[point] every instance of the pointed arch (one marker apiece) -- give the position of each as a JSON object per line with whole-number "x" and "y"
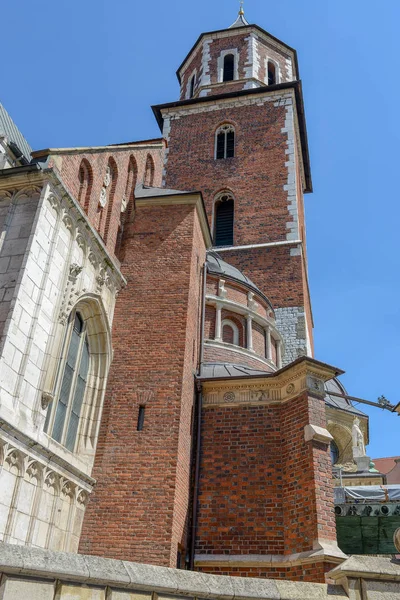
{"x": 149, "y": 171}
{"x": 128, "y": 203}
{"x": 131, "y": 180}
{"x": 73, "y": 417}
{"x": 85, "y": 177}
{"x": 108, "y": 209}
{"x": 224, "y": 141}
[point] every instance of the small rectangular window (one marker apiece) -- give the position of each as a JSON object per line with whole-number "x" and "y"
{"x": 140, "y": 423}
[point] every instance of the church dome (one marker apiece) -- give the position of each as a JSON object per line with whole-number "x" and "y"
{"x": 220, "y": 268}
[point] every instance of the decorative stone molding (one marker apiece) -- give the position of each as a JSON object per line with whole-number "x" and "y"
{"x": 275, "y": 388}
{"x": 317, "y": 434}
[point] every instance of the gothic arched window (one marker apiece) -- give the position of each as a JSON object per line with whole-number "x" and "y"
{"x": 229, "y": 68}
{"x": 225, "y": 142}
{"x": 149, "y": 172}
{"x": 224, "y": 219}
{"x": 63, "y": 415}
{"x": 272, "y": 73}
{"x": 334, "y": 453}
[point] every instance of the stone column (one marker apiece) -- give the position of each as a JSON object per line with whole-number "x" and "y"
{"x": 268, "y": 345}
{"x": 218, "y": 329}
{"x": 279, "y": 354}
{"x": 249, "y": 333}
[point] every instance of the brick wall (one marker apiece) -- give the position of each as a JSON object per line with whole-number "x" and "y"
{"x": 263, "y": 488}
{"x": 107, "y": 220}
{"x": 139, "y": 507}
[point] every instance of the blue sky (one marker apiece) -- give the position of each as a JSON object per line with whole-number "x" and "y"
{"x": 86, "y": 73}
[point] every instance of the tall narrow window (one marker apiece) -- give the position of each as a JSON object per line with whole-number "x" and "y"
{"x": 272, "y": 75}
{"x": 225, "y": 142}
{"x": 140, "y": 423}
{"x": 192, "y": 84}
{"x": 229, "y": 68}
{"x": 224, "y": 219}
{"x": 63, "y": 416}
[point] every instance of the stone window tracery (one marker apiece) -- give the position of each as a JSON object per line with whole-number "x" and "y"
{"x": 63, "y": 417}
{"x": 225, "y": 142}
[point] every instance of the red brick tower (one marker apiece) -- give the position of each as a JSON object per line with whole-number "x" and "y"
{"x": 240, "y": 126}
{"x": 240, "y": 481}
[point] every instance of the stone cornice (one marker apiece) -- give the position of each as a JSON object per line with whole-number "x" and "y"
{"x": 303, "y": 376}
{"x": 194, "y": 199}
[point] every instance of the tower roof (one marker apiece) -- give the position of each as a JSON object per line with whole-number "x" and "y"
{"x": 240, "y": 21}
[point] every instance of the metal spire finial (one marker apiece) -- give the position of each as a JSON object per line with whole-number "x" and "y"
{"x": 241, "y": 11}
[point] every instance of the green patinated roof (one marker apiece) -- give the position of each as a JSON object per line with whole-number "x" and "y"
{"x": 9, "y": 129}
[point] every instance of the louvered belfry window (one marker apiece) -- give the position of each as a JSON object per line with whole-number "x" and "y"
{"x": 63, "y": 416}
{"x": 224, "y": 219}
{"x": 225, "y": 142}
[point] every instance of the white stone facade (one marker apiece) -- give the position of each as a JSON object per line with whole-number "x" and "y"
{"x": 51, "y": 263}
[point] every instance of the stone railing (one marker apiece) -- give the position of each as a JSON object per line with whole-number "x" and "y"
{"x": 33, "y": 574}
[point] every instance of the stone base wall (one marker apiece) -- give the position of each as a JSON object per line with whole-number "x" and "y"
{"x": 34, "y": 574}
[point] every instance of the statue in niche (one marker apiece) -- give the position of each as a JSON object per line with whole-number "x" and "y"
{"x": 358, "y": 440}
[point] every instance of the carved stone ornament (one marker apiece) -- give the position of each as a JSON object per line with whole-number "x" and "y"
{"x": 107, "y": 178}
{"x": 124, "y": 204}
{"x": 229, "y": 397}
{"x": 290, "y": 388}
{"x": 74, "y": 271}
{"x": 396, "y": 539}
{"x": 103, "y": 197}
{"x": 47, "y": 398}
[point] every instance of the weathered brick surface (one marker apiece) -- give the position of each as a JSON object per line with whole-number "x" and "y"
{"x": 139, "y": 508}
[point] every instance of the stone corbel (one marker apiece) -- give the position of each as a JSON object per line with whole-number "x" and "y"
{"x": 317, "y": 434}
{"x": 221, "y": 288}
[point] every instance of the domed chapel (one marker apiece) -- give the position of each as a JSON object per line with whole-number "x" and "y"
{"x": 160, "y": 398}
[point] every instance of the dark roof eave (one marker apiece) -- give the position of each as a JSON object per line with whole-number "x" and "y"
{"x": 31, "y": 168}
{"x": 285, "y": 368}
{"x": 263, "y": 31}
{"x": 296, "y": 85}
